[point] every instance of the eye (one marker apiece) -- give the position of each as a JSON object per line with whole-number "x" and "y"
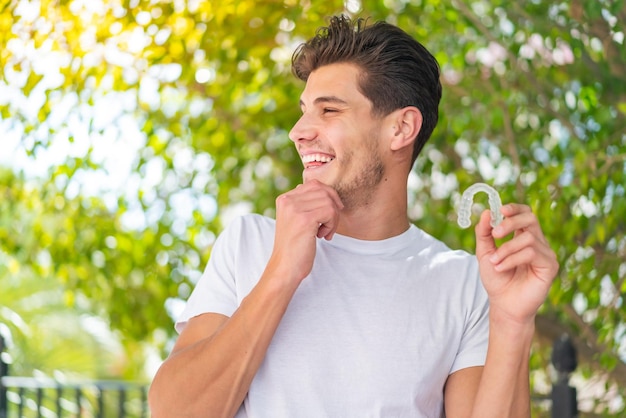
{"x": 329, "y": 110}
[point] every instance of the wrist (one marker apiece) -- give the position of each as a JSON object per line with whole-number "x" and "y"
{"x": 513, "y": 327}
{"x": 282, "y": 275}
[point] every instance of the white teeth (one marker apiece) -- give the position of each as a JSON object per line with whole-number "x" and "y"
{"x": 320, "y": 158}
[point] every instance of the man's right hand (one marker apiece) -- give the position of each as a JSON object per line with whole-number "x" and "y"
{"x": 310, "y": 210}
{"x": 215, "y": 357}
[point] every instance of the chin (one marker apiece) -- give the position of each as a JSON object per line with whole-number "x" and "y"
{"x": 308, "y": 176}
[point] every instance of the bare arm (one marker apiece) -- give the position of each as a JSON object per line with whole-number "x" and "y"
{"x": 501, "y": 387}
{"x": 517, "y": 277}
{"x": 504, "y": 388}
{"x": 215, "y": 357}
{"x": 460, "y": 391}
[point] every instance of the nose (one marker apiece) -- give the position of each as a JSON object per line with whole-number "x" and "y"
{"x": 303, "y": 130}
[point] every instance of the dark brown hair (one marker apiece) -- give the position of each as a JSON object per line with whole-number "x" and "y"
{"x": 396, "y": 70}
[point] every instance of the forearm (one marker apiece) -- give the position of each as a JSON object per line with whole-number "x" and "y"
{"x": 217, "y": 371}
{"x": 504, "y": 386}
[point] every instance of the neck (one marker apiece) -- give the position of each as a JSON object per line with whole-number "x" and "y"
{"x": 381, "y": 218}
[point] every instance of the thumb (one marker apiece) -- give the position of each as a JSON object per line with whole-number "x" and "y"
{"x": 485, "y": 243}
{"x": 325, "y": 231}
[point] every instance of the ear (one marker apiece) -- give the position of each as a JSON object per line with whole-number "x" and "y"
{"x": 406, "y": 124}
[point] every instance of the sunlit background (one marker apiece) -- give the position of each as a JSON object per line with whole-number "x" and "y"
{"x": 131, "y": 132}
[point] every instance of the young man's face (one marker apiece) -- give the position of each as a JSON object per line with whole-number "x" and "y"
{"x": 337, "y": 137}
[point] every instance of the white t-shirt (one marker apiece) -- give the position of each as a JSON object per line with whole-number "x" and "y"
{"x": 374, "y": 331}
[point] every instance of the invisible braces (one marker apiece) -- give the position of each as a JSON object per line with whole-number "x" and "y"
{"x": 468, "y": 198}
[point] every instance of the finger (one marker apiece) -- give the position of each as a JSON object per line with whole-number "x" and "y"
{"x": 313, "y": 186}
{"x": 329, "y": 226}
{"x": 485, "y": 243}
{"x": 520, "y": 241}
{"x": 523, "y": 249}
{"x": 308, "y": 210}
{"x": 511, "y": 209}
{"x": 518, "y": 218}
{"x": 543, "y": 265}
{"x": 323, "y": 206}
{"x": 310, "y": 199}
{"x": 327, "y": 230}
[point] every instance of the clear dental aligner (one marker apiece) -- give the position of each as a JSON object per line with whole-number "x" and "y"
{"x": 468, "y": 198}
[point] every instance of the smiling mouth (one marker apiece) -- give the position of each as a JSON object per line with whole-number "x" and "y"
{"x": 315, "y": 160}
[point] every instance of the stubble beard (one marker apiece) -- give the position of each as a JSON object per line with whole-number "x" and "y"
{"x": 358, "y": 191}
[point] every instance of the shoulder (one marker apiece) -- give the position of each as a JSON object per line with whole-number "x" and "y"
{"x": 245, "y": 234}
{"x": 438, "y": 251}
{"x": 455, "y": 270}
{"x": 249, "y": 225}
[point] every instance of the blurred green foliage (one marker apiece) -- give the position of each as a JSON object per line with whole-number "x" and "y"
{"x": 200, "y": 96}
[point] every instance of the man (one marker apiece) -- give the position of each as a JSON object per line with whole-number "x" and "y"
{"x": 340, "y": 307}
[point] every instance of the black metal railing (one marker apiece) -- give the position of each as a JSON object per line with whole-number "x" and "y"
{"x": 37, "y": 397}
{"x": 26, "y": 397}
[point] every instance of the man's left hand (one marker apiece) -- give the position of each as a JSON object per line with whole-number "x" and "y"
{"x": 518, "y": 274}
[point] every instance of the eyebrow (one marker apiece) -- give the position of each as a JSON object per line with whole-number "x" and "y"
{"x": 326, "y": 99}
